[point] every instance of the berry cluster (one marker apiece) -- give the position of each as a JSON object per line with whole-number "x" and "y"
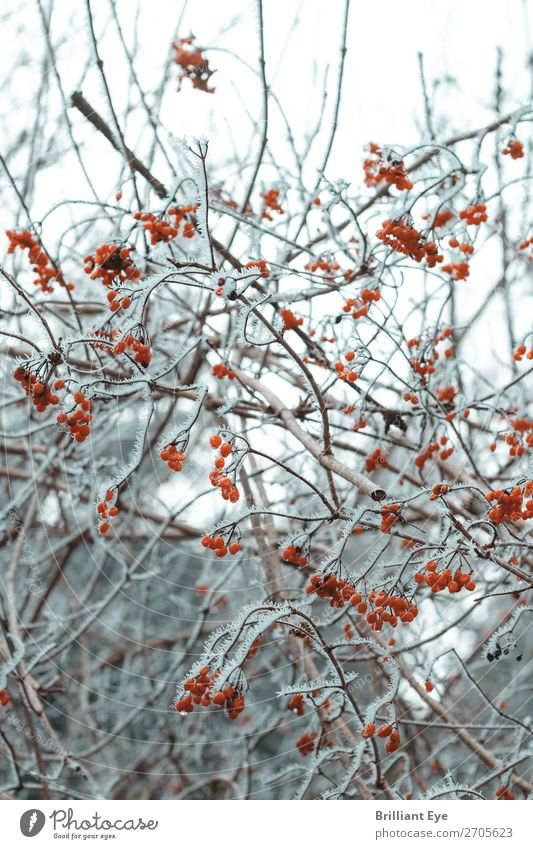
{"x": 220, "y": 546}
{"x": 199, "y": 691}
{"x": 475, "y": 214}
{"x": 180, "y": 213}
{"x": 271, "y": 202}
{"x": 194, "y": 66}
{"x": 217, "y": 477}
{"x": 106, "y": 509}
{"x": 42, "y": 265}
{"x": 292, "y": 554}
{"x": 221, "y": 371}
{"x": 389, "y": 515}
{"x": 523, "y": 433}
{"x": 338, "y": 591}
{"x": 437, "y": 490}
{"x": 454, "y": 582}
{"x": 464, "y": 247}
{"x": 384, "y": 732}
{"x": 403, "y": 238}
{"x": 457, "y": 270}
{"x": 159, "y": 229}
{"x": 306, "y": 743}
{"x": 261, "y": 265}
{"x": 78, "y": 422}
{"x": 296, "y": 704}
{"x": 441, "y": 218}
{"x": 428, "y": 452}
{"x": 345, "y": 372}
{"x": 39, "y": 391}
{"x": 522, "y": 352}
{"x": 391, "y": 170}
{"x": 139, "y": 348}
{"x": 359, "y": 306}
{"x": 328, "y": 267}
{"x": 514, "y": 148}
{"x": 375, "y": 460}
{"x": 400, "y": 609}
{"x": 509, "y": 506}
{"x": 503, "y": 793}
{"x": 173, "y": 458}
{"x": 112, "y": 265}
{"x": 290, "y": 321}
{"x": 4, "y": 698}
{"x": 117, "y": 301}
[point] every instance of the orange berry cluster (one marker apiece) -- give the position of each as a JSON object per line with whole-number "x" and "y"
{"x": 423, "y": 368}
{"x": 290, "y": 321}
{"x": 270, "y": 202}
{"x": 441, "y": 218}
{"x": 427, "y": 454}
{"x": 402, "y": 237}
{"x": 140, "y": 349}
{"x": 437, "y": 490}
{"x": 411, "y": 397}
{"x": 458, "y": 270}
{"x": 221, "y": 371}
{"x": 339, "y": 592}
{"x": 194, "y": 66}
{"x": 345, "y": 372}
{"x": 296, "y": 704}
{"x": 40, "y": 393}
{"x": 509, "y": 505}
{"x": 106, "y": 511}
{"x": 261, "y": 265}
{"x": 217, "y": 477}
{"x": 199, "y": 691}
{"x": 4, "y": 698}
{"x": 173, "y": 458}
{"x": 400, "y": 610}
{"x": 43, "y": 266}
{"x": 78, "y": 422}
{"x": 523, "y": 432}
{"x": 475, "y": 214}
{"x": 294, "y": 555}
{"x": 306, "y": 743}
{"x": 391, "y": 170}
{"x": 439, "y": 581}
{"x": 464, "y": 247}
{"x": 389, "y": 515}
{"x": 180, "y": 213}
{"x": 514, "y": 148}
{"x": 112, "y": 264}
{"x": 383, "y": 732}
{"x": 159, "y": 229}
{"x": 446, "y": 395}
{"x": 522, "y": 352}
{"x": 117, "y": 302}
{"x": 376, "y": 459}
{"x": 329, "y": 268}
{"x": 359, "y": 306}
{"x": 503, "y": 793}
{"x": 220, "y": 546}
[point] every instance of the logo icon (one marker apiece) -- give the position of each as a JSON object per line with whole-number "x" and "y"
{"x": 32, "y": 822}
